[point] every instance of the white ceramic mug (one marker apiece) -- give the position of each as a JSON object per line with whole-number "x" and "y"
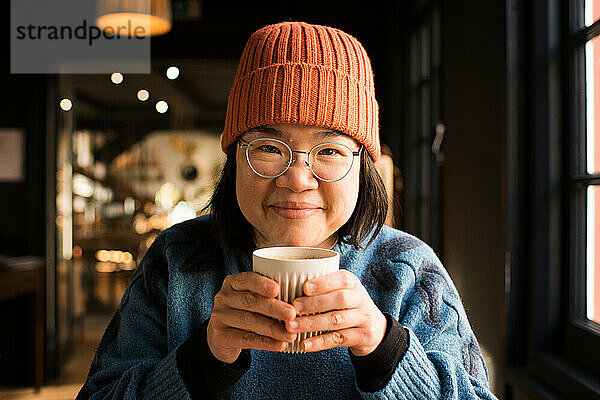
{"x": 291, "y": 267}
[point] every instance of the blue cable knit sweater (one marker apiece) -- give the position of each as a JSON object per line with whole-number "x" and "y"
{"x": 171, "y": 295}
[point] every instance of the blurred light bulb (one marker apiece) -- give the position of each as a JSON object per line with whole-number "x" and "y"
{"x": 102, "y": 255}
{"x": 66, "y": 104}
{"x": 162, "y": 107}
{"x": 172, "y": 73}
{"x": 77, "y": 252}
{"x": 127, "y": 257}
{"x": 143, "y": 95}
{"x": 116, "y": 78}
{"x": 113, "y": 255}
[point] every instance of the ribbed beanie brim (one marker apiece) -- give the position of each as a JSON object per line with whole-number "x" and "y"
{"x": 298, "y": 73}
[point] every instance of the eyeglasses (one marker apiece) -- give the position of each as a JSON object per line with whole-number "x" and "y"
{"x": 270, "y": 158}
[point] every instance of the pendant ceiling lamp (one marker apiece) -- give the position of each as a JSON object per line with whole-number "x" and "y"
{"x": 128, "y": 17}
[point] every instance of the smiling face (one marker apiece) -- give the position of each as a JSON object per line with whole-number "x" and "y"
{"x": 296, "y": 208}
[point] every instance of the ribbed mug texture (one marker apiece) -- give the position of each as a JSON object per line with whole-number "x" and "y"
{"x": 291, "y": 273}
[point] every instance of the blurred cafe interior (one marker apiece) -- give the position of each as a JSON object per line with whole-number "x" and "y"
{"x": 492, "y": 157}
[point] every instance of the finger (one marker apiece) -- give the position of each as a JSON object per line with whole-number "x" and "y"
{"x": 253, "y": 282}
{"x": 257, "y": 323}
{"x": 342, "y": 338}
{"x": 336, "y": 300}
{"x": 330, "y": 321}
{"x": 241, "y": 339}
{"x": 341, "y": 279}
{"x": 269, "y": 307}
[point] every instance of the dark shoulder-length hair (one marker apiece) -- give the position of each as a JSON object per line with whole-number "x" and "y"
{"x": 236, "y": 234}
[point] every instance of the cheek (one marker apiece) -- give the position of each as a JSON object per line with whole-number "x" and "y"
{"x": 250, "y": 192}
{"x": 242, "y": 188}
{"x": 351, "y": 192}
{"x": 343, "y": 199}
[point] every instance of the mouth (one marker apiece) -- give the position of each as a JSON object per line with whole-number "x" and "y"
{"x": 295, "y": 210}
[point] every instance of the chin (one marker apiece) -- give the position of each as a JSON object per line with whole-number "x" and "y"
{"x": 298, "y": 243}
{"x": 295, "y": 241}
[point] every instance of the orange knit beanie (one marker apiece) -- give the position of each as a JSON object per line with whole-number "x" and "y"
{"x": 298, "y": 73}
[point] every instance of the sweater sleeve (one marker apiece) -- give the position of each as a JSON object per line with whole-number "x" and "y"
{"x": 133, "y": 360}
{"x": 374, "y": 370}
{"x": 443, "y": 359}
{"x": 206, "y": 377}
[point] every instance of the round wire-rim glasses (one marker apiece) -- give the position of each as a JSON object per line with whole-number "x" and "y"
{"x": 291, "y": 158}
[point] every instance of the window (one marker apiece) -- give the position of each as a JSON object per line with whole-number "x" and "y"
{"x": 583, "y": 57}
{"x": 553, "y": 197}
{"x": 592, "y": 167}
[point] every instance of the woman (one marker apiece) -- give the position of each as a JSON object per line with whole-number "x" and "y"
{"x": 301, "y": 136}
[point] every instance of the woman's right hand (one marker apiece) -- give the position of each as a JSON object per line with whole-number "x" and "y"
{"x": 242, "y": 317}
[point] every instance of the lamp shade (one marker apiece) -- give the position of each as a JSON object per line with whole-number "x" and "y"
{"x": 134, "y": 17}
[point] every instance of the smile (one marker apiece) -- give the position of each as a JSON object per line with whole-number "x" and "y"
{"x": 295, "y": 211}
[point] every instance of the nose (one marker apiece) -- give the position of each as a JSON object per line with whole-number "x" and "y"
{"x": 298, "y": 176}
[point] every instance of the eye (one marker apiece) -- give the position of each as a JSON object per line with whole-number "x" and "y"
{"x": 329, "y": 151}
{"x": 267, "y": 148}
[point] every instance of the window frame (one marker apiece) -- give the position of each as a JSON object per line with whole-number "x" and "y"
{"x": 548, "y": 347}
{"x": 582, "y": 335}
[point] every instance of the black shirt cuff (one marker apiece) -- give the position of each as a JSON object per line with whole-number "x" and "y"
{"x": 375, "y": 370}
{"x": 205, "y": 376}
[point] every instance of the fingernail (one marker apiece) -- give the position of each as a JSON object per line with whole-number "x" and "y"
{"x": 293, "y": 324}
{"x": 271, "y": 288}
{"x": 299, "y": 306}
{"x": 310, "y": 287}
{"x": 291, "y": 314}
{"x": 307, "y": 345}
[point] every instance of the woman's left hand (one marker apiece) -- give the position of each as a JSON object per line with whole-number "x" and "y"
{"x": 345, "y": 308}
